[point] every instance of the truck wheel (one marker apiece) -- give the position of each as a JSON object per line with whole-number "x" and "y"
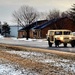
{"x": 65, "y": 44}
{"x": 72, "y": 43}
{"x": 50, "y": 44}
{"x": 56, "y": 43}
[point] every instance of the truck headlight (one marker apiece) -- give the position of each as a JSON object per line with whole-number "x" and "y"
{"x": 70, "y": 38}
{"x": 61, "y": 38}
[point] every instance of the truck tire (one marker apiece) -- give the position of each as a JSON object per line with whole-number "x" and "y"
{"x": 65, "y": 44}
{"x": 73, "y": 43}
{"x": 56, "y": 43}
{"x": 49, "y": 43}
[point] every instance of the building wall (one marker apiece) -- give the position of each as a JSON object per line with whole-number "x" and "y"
{"x": 35, "y": 34}
{"x": 31, "y": 34}
{"x": 44, "y": 32}
{"x": 21, "y": 34}
{"x": 65, "y": 24}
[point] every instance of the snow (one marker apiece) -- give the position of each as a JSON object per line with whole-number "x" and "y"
{"x": 1, "y": 37}
{"x": 11, "y": 69}
{"x": 24, "y": 39}
{"x": 67, "y": 65}
{"x": 26, "y": 54}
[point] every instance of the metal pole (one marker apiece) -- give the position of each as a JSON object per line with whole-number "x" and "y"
{"x": 17, "y": 28}
{"x": 1, "y": 27}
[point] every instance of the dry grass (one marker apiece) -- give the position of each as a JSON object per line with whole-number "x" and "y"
{"x": 66, "y": 55}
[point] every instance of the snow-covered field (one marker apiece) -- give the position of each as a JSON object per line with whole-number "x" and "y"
{"x": 10, "y": 69}
{"x": 7, "y": 68}
{"x": 52, "y": 59}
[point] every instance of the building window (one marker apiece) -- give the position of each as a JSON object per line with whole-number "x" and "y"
{"x": 34, "y": 33}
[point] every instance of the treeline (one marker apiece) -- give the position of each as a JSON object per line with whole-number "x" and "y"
{"x": 27, "y": 15}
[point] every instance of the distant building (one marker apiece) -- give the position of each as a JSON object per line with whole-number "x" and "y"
{"x": 14, "y": 30}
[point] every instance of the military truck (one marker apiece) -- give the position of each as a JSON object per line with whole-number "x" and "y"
{"x": 60, "y": 36}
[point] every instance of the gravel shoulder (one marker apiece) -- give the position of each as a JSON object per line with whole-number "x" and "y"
{"x": 41, "y": 61}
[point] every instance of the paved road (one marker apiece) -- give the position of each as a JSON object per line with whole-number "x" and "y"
{"x": 38, "y": 44}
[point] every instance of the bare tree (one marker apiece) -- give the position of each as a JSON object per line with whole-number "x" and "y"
{"x": 53, "y": 14}
{"x": 25, "y": 16}
{"x": 43, "y": 15}
{"x": 65, "y": 14}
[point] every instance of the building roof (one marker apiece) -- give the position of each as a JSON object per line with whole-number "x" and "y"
{"x": 44, "y": 25}
{"x": 37, "y": 23}
{"x": 41, "y": 24}
{"x": 50, "y": 22}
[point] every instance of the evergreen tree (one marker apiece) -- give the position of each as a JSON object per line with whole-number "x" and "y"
{"x": 72, "y": 13}
{"x": 5, "y": 29}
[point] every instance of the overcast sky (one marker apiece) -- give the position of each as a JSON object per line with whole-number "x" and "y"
{"x": 7, "y": 7}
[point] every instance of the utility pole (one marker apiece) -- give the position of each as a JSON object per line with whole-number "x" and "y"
{"x": 1, "y": 27}
{"x": 17, "y": 28}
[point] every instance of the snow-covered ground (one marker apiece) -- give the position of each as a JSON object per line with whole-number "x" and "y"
{"x": 1, "y": 37}
{"x": 24, "y": 39}
{"x": 11, "y": 69}
{"x": 66, "y": 64}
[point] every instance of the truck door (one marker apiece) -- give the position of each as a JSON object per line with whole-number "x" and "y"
{"x": 52, "y": 36}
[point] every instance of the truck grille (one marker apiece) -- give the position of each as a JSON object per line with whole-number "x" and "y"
{"x": 66, "y": 39}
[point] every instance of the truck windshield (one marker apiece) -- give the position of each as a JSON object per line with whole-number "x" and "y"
{"x": 66, "y": 33}
{"x": 73, "y": 33}
{"x": 58, "y": 33}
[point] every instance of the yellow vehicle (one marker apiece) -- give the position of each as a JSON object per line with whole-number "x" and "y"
{"x": 59, "y": 36}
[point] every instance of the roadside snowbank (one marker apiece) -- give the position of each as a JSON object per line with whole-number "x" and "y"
{"x": 1, "y": 37}
{"x": 24, "y": 39}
